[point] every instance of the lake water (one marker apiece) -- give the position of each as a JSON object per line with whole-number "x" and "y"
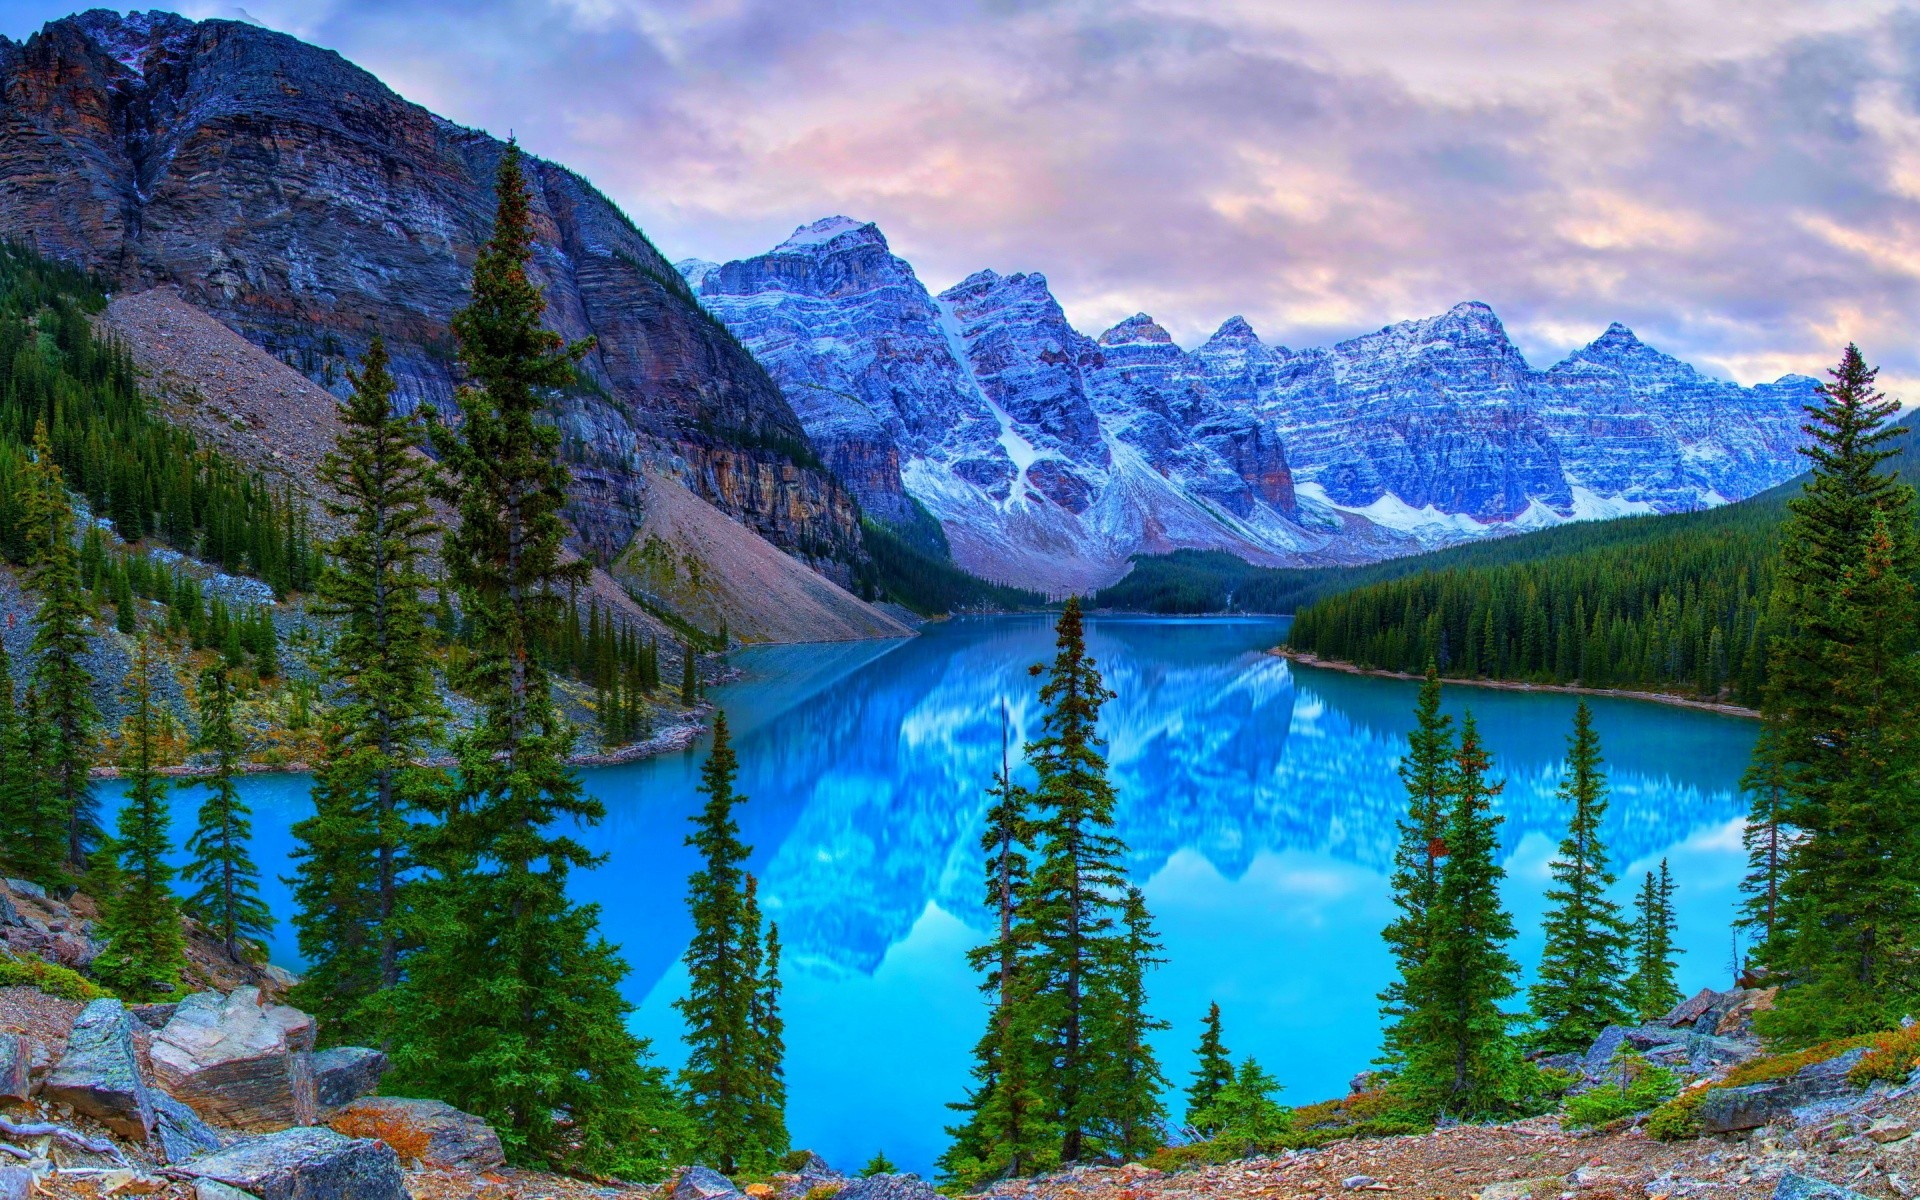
{"x": 1257, "y": 799}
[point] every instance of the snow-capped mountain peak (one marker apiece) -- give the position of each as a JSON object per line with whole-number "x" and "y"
{"x": 1048, "y": 457}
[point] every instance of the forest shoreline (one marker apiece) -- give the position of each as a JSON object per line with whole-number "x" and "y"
{"x": 1512, "y": 685}
{"x": 667, "y": 741}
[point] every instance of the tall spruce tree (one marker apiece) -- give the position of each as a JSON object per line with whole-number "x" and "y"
{"x": 1007, "y": 1130}
{"x": 1651, "y": 988}
{"x": 61, "y": 628}
{"x": 355, "y": 853}
{"x": 1841, "y": 703}
{"x": 1582, "y": 983}
{"x": 510, "y": 1008}
{"x": 1132, "y": 1118}
{"x": 766, "y": 1059}
{"x": 1460, "y": 1054}
{"x": 1075, "y": 893}
{"x": 1213, "y": 1071}
{"x": 145, "y": 946}
{"x": 1427, "y": 772}
{"x": 729, "y": 1091}
{"x": 228, "y": 901}
{"x": 1766, "y": 838}
{"x": 40, "y": 846}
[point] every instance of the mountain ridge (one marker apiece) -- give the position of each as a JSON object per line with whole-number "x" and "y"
{"x": 1068, "y": 454}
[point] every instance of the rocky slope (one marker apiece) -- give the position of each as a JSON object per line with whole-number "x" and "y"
{"x": 304, "y": 204}
{"x": 1049, "y": 457}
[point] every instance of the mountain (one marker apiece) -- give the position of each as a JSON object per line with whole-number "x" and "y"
{"x": 1050, "y": 458}
{"x": 303, "y": 204}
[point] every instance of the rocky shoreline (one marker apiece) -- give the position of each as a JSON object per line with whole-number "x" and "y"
{"x": 1510, "y": 685}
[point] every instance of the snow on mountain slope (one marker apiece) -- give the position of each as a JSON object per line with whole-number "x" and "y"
{"x": 1048, "y": 458}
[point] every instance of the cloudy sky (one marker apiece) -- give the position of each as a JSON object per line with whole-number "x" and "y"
{"x": 1739, "y": 180}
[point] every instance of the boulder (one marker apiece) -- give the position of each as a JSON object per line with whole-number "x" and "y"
{"x": 1689, "y": 1010}
{"x": 1728, "y": 1110}
{"x": 154, "y": 1016}
{"x": 888, "y": 1187}
{"x": 423, "y": 1132}
{"x": 16, "y": 1067}
{"x": 31, "y": 891}
{"x": 99, "y": 1075}
{"x": 238, "y": 1060}
{"x": 179, "y": 1132}
{"x": 16, "y": 1183}
{"x": 304, "y": 1164}
{"x": 702, "y": 1183}
{"x": 1795, "y": 1186}
{"x": 346, "y": 1073}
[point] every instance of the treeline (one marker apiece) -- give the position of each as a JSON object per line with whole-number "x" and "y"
{"x": 929, "y": 584}
{"x": 147, "y": 477}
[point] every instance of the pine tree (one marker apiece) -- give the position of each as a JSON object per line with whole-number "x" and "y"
{"x": 1581, "y": 988}
{"x": 1427, "y": 771}
{"x": 879, "y": 1164}
{"x": 1460, "y": 1055}
{"x": 228, "y": 901}
{"x": 1213, "y": 1072}
{"x": 141, "y": 919}
{"x": 1244, "y": 1111}
{"x": 1131, "y": 1119}
{"x": 728, "y": 1097}
{"x": 511, "y": 1009}
{"x": 19, "y": 810}
{"x": 1841, "y": 703}
{"x": 766, "y": 1061}
{"x": 1651, "y": 988}
{"x": 354, "y": 853}
{"x": 689, "y": 680}
{"x": 1767, "y": 841}
{"x": 60, "y": 643}
{"x": 39, "y": 844}
{"x": 1007, "y": 1131}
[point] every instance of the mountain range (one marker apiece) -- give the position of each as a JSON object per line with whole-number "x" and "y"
{"x": 1047, "y": 457}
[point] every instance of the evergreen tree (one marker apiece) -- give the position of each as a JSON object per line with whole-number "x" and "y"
{"x": 19, "y": 800}
{"x": 767, "y": 1060}
{"x": 1213, "y": 1072}
{"x": 1132, "y": 1118}
{"x": 1008, "y": 1131}
{"x": 36, "y": 849}
{"x": 1842, "y": 705}
{"x": 1651, "y": 987}
{"x": 60, "y": 642}
{"x": 511, "y": 1007}
{"x": 879, "y": 1164}
{"x": 1767, "y": 840}
{"x": 689, "y": 680}
{"x": 1581, "y": 988}
{"x": 1460, "y": 1055}
{"x": 730, "y": 1093}
{"x": 355, "y": 852}
{"x": 1244, "y": 1110}
{"x": 1427, "y": 771}
{"x": 228, "y": 902}
{"x": 145, "y": 946}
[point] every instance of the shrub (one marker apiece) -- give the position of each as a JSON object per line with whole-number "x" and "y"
{"x": 1893, "y": 1058}
{"x": 51, "y": 978}
{"x": 1675, "y": 1119}
{"x": 1640, "y": 1086}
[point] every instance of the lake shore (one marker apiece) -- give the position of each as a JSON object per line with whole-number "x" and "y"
{"x": 1511, "y": 685}
{"x": 666, "y": 741}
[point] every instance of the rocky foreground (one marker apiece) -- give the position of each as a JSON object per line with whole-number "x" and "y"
{"x": 222, "y": 1096}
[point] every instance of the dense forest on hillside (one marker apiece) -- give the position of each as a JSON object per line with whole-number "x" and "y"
{"x": 927, "y": 583}
{"x": 1670, "y": 603}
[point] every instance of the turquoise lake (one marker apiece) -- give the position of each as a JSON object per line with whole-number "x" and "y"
{"x": 1258, "y": 800}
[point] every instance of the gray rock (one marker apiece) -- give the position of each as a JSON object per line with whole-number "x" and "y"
{"x": 1354, "y": 1183}
{"x": 1727, "y": 1110}
{"x": 180, "y": 1133}
{"x": 212, "y": 1189}
{"x": 888, "y": 1187}
{"x": 9, "y": 915}
{"x": 1601, "y": 1052}
{"x": 239, "y": 1060}
{"x": 16, "y": 1183}
{"x": 702, "y": 1183}
{"x": 16, "y": 1067}
{"x": 432, "y": 1133}
{"x": 305, "y": 1164}
{"x": 346, "y": 1073}
{"x": 31, "y": 891}
{"x": 1795, "y": 1186}
{"x": 154, "y": 1016}
{"x": 99, "y": 1075}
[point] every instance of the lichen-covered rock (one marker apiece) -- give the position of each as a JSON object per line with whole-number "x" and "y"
{"x": 887, "y": 1187}
{"x": 238, "y": 1060}
{"x": 343, "y": 1074}
{"x": 702, "y": 1183}
{"x": 426, "y": 1133}
{"x": 99, "y": 1075}
{"x": 305, "y": 1164}
{"x": 16, "y": 1183}
{"x": 179, "y": 1132}
{"x": 1728, "y": 1110}
{"x": 1796, "y": 1186}
{"x": 16, "y": 1067}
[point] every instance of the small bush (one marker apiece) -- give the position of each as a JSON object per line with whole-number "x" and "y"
{"x": 51, "y": 978}
{"x": 1675, "y": 1120}
{"x": 1892, "y": 1059}
{"x": 1641, "y": 1086}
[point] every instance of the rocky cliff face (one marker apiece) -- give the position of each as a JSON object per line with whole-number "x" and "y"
{"x": 1049, "y": 457}
{"x": 304, "y": 204}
